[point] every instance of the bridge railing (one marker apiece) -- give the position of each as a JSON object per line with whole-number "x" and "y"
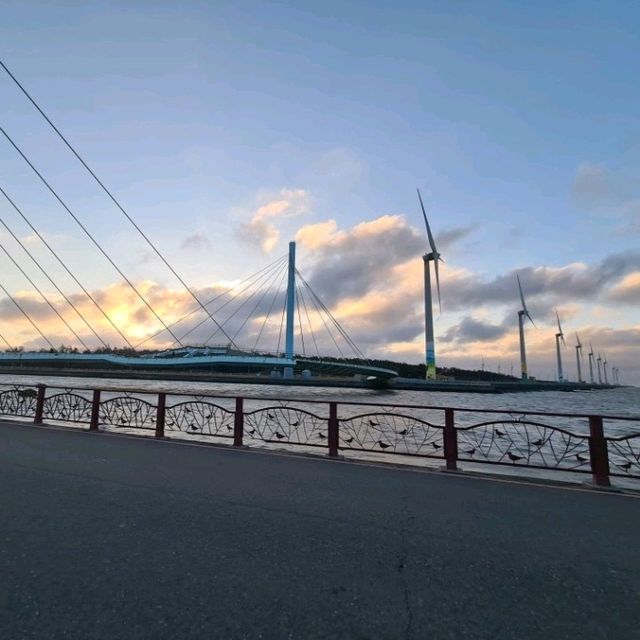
{"x": 459, "y": 437}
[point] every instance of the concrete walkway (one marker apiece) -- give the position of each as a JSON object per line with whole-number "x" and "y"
{"x": 112, "y": 537}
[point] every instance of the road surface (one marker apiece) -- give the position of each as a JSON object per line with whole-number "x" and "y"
{"x": 113, "y": 537}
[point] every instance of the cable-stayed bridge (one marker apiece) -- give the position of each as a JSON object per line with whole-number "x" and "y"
{"x": 272, "y": 320}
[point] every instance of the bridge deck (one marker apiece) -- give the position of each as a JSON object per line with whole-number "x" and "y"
{"x": 112, "y": 537}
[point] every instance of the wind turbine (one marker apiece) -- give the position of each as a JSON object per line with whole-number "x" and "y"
{"x": 433, "y": 255}
{"x": 591, "y": 379}
{"x": 604, "y": 367}
{"x": 579, "y": 357}
{"x": 521, "y": 315}
{"x": 559, "y": 336}
{"x": 599, "y": 362}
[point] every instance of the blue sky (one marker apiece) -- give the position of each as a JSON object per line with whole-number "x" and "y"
{"x": 197, "y": 113}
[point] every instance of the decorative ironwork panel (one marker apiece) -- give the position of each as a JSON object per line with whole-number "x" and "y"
{"x": 624, "y": 456}
{"x": 200, "y": 418}
{"x": 128, "y": 411}
{"x": 18, "y": 402}
{"x": 392, "y": 433}
{"x": 284, "y": 424}
{"x": 524, "y": 443}
{"x": 67, "y": 406}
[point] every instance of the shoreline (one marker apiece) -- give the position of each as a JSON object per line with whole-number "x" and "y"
{"x": 400, "y": 384}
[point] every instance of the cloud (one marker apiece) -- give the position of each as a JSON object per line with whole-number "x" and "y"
{"x": 470, "y": 329}
{"x": 450, "y": 237}
{"x": 627, "y": 291}
{"x": 195, "y": 242}
{"x": 599, "y": 189}
{"x": 370, "y": 276}
{"x": 31, "y": 303}
{"x": 384, "y": 254}
{"x": 261, "y": 229}
{"x": 543, "y": 286}
{"x": 353, "y": 262}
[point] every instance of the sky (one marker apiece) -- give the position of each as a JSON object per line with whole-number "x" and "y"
{"x": 228, "y": 129}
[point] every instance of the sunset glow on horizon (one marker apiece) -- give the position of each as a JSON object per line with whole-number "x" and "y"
{"x": 229, "y": 132}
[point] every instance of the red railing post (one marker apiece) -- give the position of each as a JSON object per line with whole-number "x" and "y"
{"x": 95, "y": 411}
{"x": 598, "y": 452}
{"x": 450, "y": 437}
{"x": 37, "y": 419}
{"x": 238, "y": 423}
{"x": 332, "y": 435}
{"x": 160, "y": 413}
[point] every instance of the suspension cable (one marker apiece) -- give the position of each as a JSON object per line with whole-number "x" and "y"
{"x": 313, "y": 335}
{"x": 242, "y": 304}
{"x": 88, "y": 234}
{"x": 284, "y": 308}
{"x": 273, "y": 301}
{"x": 324, "y": 322}
{"x": 232, "y": 299}
{"x": 338, "y": 326}
{"x": 69, "y": 272}
{"x": 259, "y": 302}
{"x": 6, "y": 342}
{"x": 35, "y": 286}
{"x": 113, "y": 199}
{"x": 26, "y": 315}
{"x": 304, "y": 351}
{"x": 211, "y": 300}
{"x": 35, "y": 261}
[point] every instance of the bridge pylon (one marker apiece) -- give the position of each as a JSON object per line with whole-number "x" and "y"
{"x": 291, "y": 307}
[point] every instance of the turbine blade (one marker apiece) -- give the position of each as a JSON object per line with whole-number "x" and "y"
{"x": 578, "y": 339}
{"x": 435, "y": 262}
{"x": 432, "y": 244}
{"x": 558, "y": 319}
{"x": 524, "y": 304}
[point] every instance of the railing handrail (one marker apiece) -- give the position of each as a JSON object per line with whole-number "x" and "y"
{"x": 329, "y": 400}
{"x": 71, "y": 405}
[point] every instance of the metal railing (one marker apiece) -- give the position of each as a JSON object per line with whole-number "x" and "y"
{"x": 551, "y": 441}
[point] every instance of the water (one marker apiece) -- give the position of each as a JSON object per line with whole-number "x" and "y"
{"x": 623, "y": 401}
{"x": 295, "y": 418}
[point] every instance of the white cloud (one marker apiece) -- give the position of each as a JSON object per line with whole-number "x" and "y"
{"x": 261, "y": 229}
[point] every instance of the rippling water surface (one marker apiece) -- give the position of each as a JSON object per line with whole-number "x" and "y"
{"x": 623, "y": 401}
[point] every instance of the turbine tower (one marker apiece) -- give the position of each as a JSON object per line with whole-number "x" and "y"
{"x": 559, "y": 336}
{"x": 591, "y": 378}
{"x": 431, "y": 256}
{"x": 599, "y": 362}
{"x": 604, "y": 368}
{"x": 579, "y": 357}
{"x": 521, "y": 315}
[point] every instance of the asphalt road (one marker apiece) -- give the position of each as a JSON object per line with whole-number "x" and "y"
{"x": 104, "y": 536}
